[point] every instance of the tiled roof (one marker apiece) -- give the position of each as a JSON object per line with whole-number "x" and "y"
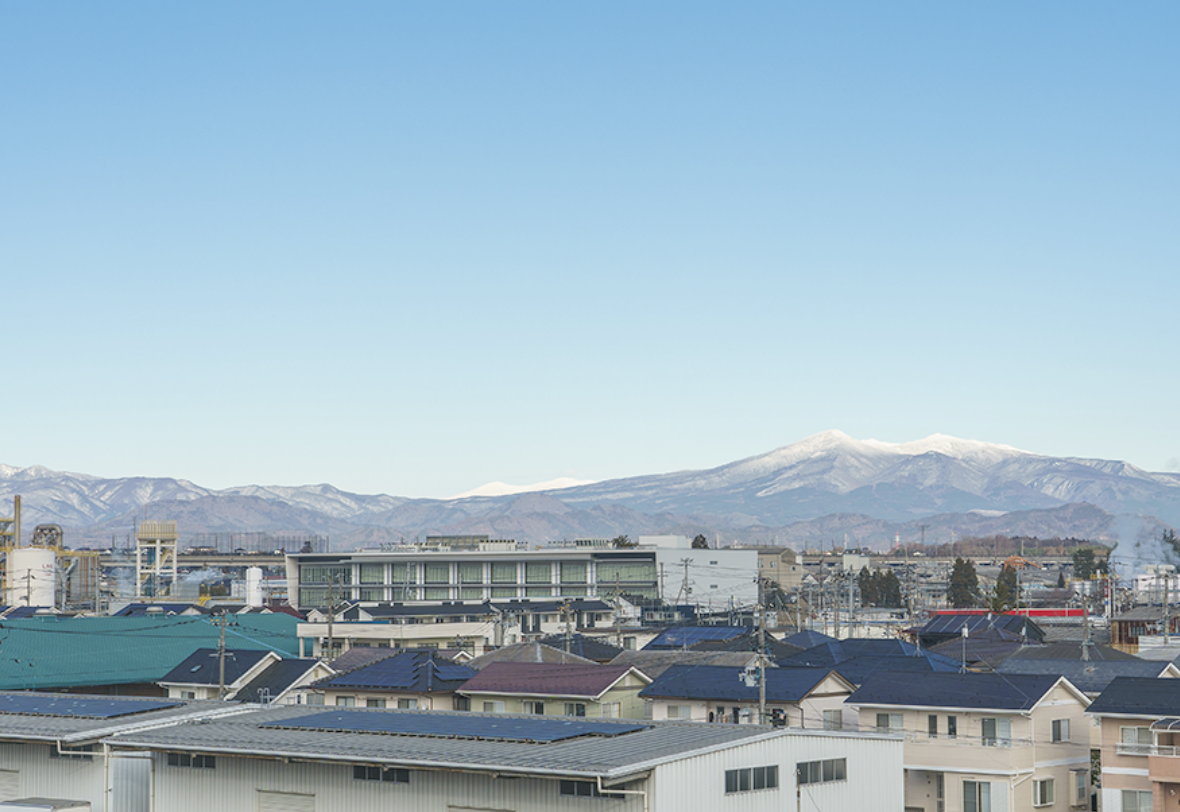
{"x": 357, "y": 656}
{"x": 203, "y": 666}
{"x": 951, "y": 624}
{"x": 592, "y": 648}
{"x": 970, "y": 691}
{"x": 416, "y": 670}
{"x": 774, "y": 649}
{"x": 1092, "y": 677}
{"x": 67, "y": 729}
{"x": 274, "y": 680}
{"x": 808, "y": 638}
{"x": 687, "y": 636}
{"x": 654, "y": 663}
{"x": 717, "y": 682}
{"x": 545, "y": 679}
{"x": 1139, "y": 696}
{"x": 839, "y": 651}
{"x": 1071, "y": 650}
{"x": 535, "y": 652}
{"x": 142, "y": 609}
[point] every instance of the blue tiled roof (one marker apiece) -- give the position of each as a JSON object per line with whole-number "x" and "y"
{"x": 418, "y": 671}
{"x": 1139, "y": 696}
{"x": 971, "y": 691}
{"x": 1091, "y": 677}
{"x": 203, "y": 666}
{"x": 688, "y": 636}
{"x": 719, "y": 682}
{"x": 834, "y": 652}
{"x": 275, "y": 678}
{"x": 808, "y": 638}
{"x": 949, "y": 625}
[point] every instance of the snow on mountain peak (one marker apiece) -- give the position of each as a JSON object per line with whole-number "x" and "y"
{"x": 504, "y": 489}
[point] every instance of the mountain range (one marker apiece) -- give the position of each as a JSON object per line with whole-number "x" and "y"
{"x": 824, "y": 489}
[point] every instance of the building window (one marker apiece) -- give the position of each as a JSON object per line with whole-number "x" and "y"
{"x": 470, "y": 572}
{"x": 833, "y": 720}
{"x": 977, "y": 796}
{"x": 493, "y": 707}
{"x": 196, "y": 762}
{"x": 996, "y": 732}
{"x": 1043, "y": 792}
{"x": 531, "y": 706}
{"x": 611, "y": 710}
{"x": 1135, "y": 741}
{"x": 372, "y": 573}
{"x": 503, "y": 572}
{"x": 536, "y": 572}
{"x": 575, "y": 708}
{"x": 437, "y": 573}
{"x": 345, "y": 701}
{"x": 407, "y": 704}
{"x": 374, "y": 703}
{"x": 819, "y": 772}
{"x": 932, "y": 725}
{"x": 1136, "y": 800}
{"x": 939, "y": 792}
{"x": 573, "y": 572}
{"x": 365, "y": 772}
{"x": 1081, "y": 787}
{"x": 81, "y": 753}
{"x": 461, "y": 703}
{"x": 585, "y": 789}
{"x": 188, "y": 694}
{"x": 321, "y": 574}
{"x": 437, "y": 593}
{"x": 1060, "y": 730}
{"x": 406, "y": 573}
{"x": 678, "y": 712}
{"x": 952, "y": 727}
{"x": 751, "y": 778}
{"x": 889, "y": 722}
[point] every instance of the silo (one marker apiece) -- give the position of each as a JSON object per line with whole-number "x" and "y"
{"x": 32, "y": 577}
{"x": 254, "y": 586}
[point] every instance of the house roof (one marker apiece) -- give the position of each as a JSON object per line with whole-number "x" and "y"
{"x": 654, "y": 663}
{"x": 585, "y": 756}
{"x": 808, "y": 638}
{"x": 67, "y": 729}
{"x": 1139, "y": 696}
{"x": 534, "y": 652}
{"x": 1071, "y": 650}
{"x": 1014, "y": 692}
{"x": 203, "y": 666}
{"x": 545, "y": 679}
{"x": 719, "y": 682}
{"x": 1140, "y": 613}
{"x": 774, "y": 649}
{"x": 275, "y": 680}
{"x": 986, "y": 647}
{"x": 142, "y": 609}
{"x": 1091, "y": 677}
{"x": 592, "y": 648}
{"x": 357, "y": 656}
{"x": 42, "y": 653}
{"x": 354, "y": 612}
{"x": 838, "y": 651}
{"x": 682, "y": 637}
{"x": 950, "y": 624}
{"x": 417, "y": 670}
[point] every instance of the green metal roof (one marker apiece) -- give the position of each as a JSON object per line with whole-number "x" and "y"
{"x": 50, "y": 652}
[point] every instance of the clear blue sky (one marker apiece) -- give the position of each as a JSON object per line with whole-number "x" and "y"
{"x": 413, "y": 248}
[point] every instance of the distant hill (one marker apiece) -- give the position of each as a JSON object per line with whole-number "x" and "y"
{"x": 813, "y": 492}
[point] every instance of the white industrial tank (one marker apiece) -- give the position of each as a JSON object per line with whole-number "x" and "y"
{"x": 254, "y": 586}
{"x": 32, "y": 577}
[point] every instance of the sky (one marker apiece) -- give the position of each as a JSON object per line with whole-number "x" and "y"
{"x": 412, "y": 248}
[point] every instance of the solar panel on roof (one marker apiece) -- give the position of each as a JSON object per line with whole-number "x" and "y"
{"x": 86, "y": 708}
{"x": 455, "y": 672}
{"x": 459, "y": 727}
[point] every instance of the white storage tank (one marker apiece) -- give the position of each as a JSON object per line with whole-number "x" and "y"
{"x": 254, "y": 586}
{"x": 32, "y": 577}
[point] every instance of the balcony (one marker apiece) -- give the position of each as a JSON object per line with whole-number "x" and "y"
{"x": 943, "y": 740}
{"x": 1164, "y": 750}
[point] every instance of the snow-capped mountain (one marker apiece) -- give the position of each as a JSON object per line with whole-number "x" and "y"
{"x": 872, "y": 489}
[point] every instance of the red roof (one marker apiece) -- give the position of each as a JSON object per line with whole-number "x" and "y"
{"x": 545, "y": 679}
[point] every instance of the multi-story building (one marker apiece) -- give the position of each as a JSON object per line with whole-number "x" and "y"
{"x": 1140, "y": 743}
{"x": 984, "y": 742}
{"x": 713, "y": 579}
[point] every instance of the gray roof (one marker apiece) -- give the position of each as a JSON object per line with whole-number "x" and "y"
{"x": 1089, "y": 677}
{"x": 535, "y": 652}
{"x": 654, "y": 663}
{"x": 79, "y": 729}
{"x": 587, "y": 756}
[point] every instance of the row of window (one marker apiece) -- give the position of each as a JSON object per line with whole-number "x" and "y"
{"x": 196, "y": 762}
{"x": 472, "y": 572}
{"x": 819, "y": 772}
{"x": 993, "y": 731}
{"x": 977, "y": 795}
{"x": 364, "y": 772}
{"x": 748, "y": 779}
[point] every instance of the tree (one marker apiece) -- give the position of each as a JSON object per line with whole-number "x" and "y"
{"x": 1007, "y": 592}
{"x": 1061, "y": 580}
{"x": 868, "y": 587}
{"x": 1169, "y": 538}
{"x": 700, "y": 542}
{"x": 888, "y": 589}
{"x": 1083, "y": 563}
{"x": 623, "y": 541}
{"x": 963, "y": 591}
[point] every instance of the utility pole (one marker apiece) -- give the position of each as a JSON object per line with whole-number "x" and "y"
{"x": 761, "y": 656}
{"x": 565, "y": 611}
{"x": 327, "y": 654}
{"x": 221, "y": 658}
{"x": 618, "y": 607}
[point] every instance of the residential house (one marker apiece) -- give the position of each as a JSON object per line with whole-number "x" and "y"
{"x": 406, "y": 679}
{"x": 654, "y": 663}
{"x": 857, "y": 659}
{"x": 1142, "y": 621}
{"x": 949, "y": 625}
{"x": 1140, "y": 744}
{"x": 299, "y": 760}
{"x": 984, "y": 742}
{"x": 283, "y": 682}
{"x": 534, "y": 652}
{"x": 597, "y": 691}
{"x": 208, "y": 673}
{"x": 795, "y": 697}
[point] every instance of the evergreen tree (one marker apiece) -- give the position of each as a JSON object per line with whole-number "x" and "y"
{"x": 700, "y": 542}
{"x": 888, "y": 589}
{"x": 1007, "y": 592}
{"x": 623, "y": 541}
{"x": 963, "y": 592}
{"x": 1083, "y": 563}
{"x": 1061, "y": 580}
{"x": 868, "y": 587}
